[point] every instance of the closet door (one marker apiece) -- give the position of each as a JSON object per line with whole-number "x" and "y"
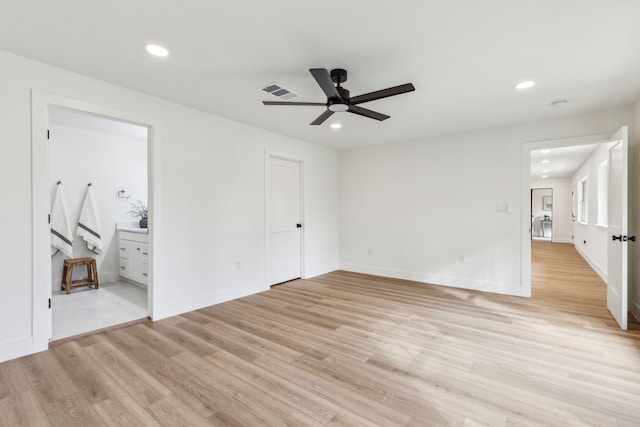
{"x": 284, "y": 226}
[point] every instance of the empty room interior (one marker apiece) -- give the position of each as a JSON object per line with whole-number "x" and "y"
{"x": 362, "y": 213}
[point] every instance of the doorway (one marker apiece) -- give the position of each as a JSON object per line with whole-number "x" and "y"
{"x": 117, "y": 185}
{"x": 538, "y": 169}
{"x": 599, "y": 212}
{"x": 542, "y": 214}
{"x": 42, "y": 294}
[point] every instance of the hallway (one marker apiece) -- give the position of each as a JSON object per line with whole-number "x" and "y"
{"x": 562, "y": 280}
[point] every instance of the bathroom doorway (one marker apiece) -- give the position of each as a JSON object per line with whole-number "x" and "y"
{"x": 542, "y": 214}
{"x": 107, "y": 158}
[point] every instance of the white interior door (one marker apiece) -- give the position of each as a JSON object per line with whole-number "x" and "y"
{"x": 617, "y": 249}
{"x": 284, "y": 221}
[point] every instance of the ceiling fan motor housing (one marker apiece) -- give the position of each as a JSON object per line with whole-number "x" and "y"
{"x": 338, "y": 76}
{"x": 337, "y": 104}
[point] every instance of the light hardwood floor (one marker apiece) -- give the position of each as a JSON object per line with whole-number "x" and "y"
{"x": 350, "y": 349}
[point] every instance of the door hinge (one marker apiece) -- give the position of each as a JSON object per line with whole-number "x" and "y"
{"x": 49, "y": 219}
{"x": 48, "y": 134}
{"x": 49, "y": 302}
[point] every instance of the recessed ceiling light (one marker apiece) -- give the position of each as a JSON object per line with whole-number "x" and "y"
{"x": 336, "y": 125}
{"x": 156, "y": 50}
{"x": 546, "y": 161}
{"x": 545, "y": 176}
{"x": 525, "y": 84}
{"x": 545, "y": 171}
{"x": 545, "y": 151}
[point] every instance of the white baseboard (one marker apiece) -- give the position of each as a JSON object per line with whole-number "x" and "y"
{"x": 14, "y": 349}
{"x": 206, "y": 300}
{"x": 563, "y": 240}
{"x": 451, "y": 282}
{"x": 109, "y": 276}
{"x": 592, "y": 264}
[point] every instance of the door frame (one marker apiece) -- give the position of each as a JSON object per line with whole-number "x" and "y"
{"x": 267, "y": 212}
{"x": 41, "y": 200}
{"x": 525, "y": 192}
{"x": 531, "y": 211}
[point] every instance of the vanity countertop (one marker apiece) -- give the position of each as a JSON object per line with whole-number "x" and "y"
{"x": 131, "y": 228}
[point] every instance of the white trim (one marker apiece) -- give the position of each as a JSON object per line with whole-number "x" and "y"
{"x": 41, "y": 255}
{"x": 563, "y": 240}
{"x": 602, "y": 273}
{"x": 17, "y": 348}
{"x": 525, "y": 186}
{"x": 201, "y": 301}
{"x": 267, "y": 214}
{"x": 439, "y": 280}
{"x": 583, "y": 196}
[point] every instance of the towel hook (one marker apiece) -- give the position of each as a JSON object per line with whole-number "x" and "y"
{"x": 121, "y": 194}
{"x": 89, "y": 185}
{"x": 59, "y": 182}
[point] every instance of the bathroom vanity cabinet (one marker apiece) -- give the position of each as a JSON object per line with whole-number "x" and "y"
{"x": 134, "y": 256}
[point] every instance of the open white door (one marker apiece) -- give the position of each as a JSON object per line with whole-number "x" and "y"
{"x": 617, "y": 249}
{"x": 284, "y": 221}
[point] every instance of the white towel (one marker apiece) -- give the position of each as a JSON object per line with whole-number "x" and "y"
{"x": 61, "y": 235}
{"x": 88, "y": 224}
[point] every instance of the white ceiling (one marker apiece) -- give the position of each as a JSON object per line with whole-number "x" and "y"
{"x": 463, "y": 56}
{"x": 559, "y": 162}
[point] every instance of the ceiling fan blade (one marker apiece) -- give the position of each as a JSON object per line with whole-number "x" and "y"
{"x": 367, "y": 113}
{"x": 294, "y": 103}
{"x": 323, "y": 78}
{"x": 322, "y": 117}
{"x": 384, "y": 93}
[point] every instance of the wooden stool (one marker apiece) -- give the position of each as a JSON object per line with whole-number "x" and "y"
{"x": 67, "y": 274}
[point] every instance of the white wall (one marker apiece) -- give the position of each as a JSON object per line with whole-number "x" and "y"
{"x": 562, "y": 221}
{"x": 418, "y": 207}
{"x": 210, "y": 181}
{"x": 111, "y": 162}
{"x": 590, "y": 239}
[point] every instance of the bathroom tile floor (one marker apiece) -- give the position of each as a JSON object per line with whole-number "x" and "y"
{"x": 87, "y": 309}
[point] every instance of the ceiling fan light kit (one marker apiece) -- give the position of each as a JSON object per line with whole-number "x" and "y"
{"x": 339, "y": 99}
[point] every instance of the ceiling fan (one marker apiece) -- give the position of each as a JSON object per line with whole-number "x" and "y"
{"x": 338, "y": 98}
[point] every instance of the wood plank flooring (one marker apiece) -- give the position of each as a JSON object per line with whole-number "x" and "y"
{"x": 347, "y": 349}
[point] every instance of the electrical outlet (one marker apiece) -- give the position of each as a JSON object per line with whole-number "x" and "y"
{"x": 369, "y": 251}
{"x": 461, "y": 259}
{"x": 238, "y": 265}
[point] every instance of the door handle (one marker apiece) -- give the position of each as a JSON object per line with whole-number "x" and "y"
{"x": 614, "y": 238}
{"x": 632, "y": 238}
{"x": 298, "y": 225}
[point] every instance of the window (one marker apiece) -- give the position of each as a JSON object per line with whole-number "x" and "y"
{"x": 582, "y": 201}
{"x": 603, "y": 184}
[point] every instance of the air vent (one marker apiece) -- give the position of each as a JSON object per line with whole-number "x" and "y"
{"x": 279, "y": 92}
